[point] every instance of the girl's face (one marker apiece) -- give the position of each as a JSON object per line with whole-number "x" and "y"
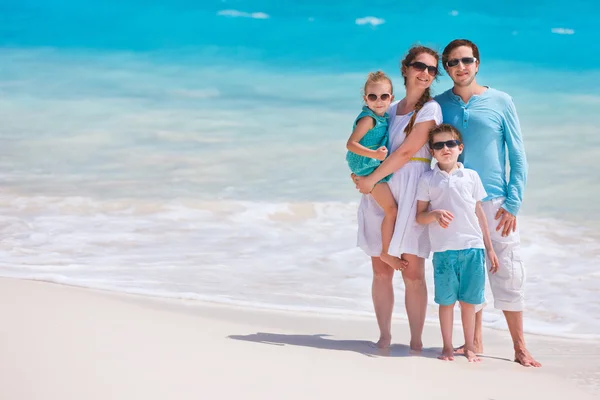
{"x": 378, "y": 96}
{"x": 418, "y": 77}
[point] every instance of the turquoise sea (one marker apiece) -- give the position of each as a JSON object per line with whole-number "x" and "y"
{"x": 196, "y": 149}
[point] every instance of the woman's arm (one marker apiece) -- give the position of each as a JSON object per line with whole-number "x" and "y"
{"x": 417, "y": 139}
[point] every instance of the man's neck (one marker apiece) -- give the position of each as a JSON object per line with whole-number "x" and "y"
{"x": 448, "y": 168}
{"x": 466, "y": 92}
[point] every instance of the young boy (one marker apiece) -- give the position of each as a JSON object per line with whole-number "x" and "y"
{"x": 451, "y": 195}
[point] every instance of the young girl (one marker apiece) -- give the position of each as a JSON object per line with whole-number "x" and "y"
{"x": 367, "y": 148}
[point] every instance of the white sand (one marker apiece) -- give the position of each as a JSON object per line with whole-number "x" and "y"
{"x": 59, "y": 342}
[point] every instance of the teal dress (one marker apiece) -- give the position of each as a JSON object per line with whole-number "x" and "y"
{"x": 373, "y": 139}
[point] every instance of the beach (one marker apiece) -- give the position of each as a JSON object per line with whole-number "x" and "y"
{"x": 63, "y": 342}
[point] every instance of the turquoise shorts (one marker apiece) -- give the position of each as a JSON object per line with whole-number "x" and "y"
{"x": 459, "y": 275}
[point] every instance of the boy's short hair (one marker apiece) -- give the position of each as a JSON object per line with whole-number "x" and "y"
{"x": 442, "y": 128}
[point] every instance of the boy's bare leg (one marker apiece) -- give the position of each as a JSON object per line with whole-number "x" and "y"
{"x": 446, "y": 322}
{"x": 467, "y": 314}
{"x": 478, "y": 339}
{"x": 383, "y": 196}
{"x": 382, "y": 292}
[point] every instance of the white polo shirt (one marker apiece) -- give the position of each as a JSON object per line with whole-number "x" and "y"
{"x": 457, "y": 192}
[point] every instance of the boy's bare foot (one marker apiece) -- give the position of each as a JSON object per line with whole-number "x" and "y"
{"x": 416, "y": 347}
{"x": 447, "y": 354}
{"x": 471, "y": 356}
{"x": 478, "y": 347}
{"x": 397, "y": 263}
{"x": 523, "y": 357}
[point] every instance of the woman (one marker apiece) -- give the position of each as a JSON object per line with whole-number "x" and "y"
{"x": 410, "y": 121}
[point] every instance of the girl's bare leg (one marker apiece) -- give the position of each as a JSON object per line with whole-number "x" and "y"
{"x": 415, "y": 298}
{"x": 382, "y": 291}
{"x": 446, "y": 323}
{"x": 383, "y": 196}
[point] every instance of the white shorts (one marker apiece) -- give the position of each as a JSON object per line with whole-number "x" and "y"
{"x": 508, "y": 283}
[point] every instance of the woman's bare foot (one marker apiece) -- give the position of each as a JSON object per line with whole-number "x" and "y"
{"x": 471, "y": 356}
{"x": 384, "y": 342}
{"x": 416, "y": 347}
{"x": 525, "y": 359}
{"x": 447, "y": 354}
{"x": 478, "y": 347}
{"x": 397, "y": 263}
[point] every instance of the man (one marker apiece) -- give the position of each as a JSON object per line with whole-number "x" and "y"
{"x": 488, "y": 121}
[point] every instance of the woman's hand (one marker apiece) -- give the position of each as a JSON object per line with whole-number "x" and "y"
{"x": 363, "y": 183}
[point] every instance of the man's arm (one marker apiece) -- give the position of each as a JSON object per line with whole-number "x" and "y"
{"x": 516, "y": 159}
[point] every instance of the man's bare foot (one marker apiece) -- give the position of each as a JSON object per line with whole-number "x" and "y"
{"x": 416, "y": 347}
{"x": 447, "y": 354}
{"x": 525, "y": 359}
{"x": 397, "y": 263}
{"x": 471, "y": 356}
{"x": 384, "y": 342}
{"x": 478, "y": 347}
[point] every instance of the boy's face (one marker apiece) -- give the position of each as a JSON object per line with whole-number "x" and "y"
{"x": 448, "y": 154}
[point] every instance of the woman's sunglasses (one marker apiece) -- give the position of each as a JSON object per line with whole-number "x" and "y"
{"x": 465, "y": 60}
{"x": 449, "y": 144}
{"x": 383, "y": 97}
{"x": 419, "y": 66}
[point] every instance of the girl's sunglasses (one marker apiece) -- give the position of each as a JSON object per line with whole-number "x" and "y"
{"x": 465, "y": 60}
{"x": 419, "y": 66}
{"x": 449, "y": 144}
{"x": 383, "y": 97}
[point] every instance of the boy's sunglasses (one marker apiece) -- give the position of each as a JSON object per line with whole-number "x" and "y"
{"x": 383, "y": 97}
{"x": 419, "y": 66}
{"x": 465, "y": 60}
{"x": 449, "y": 144}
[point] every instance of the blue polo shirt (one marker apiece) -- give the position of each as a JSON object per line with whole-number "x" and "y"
{"x": 489, "y": 126}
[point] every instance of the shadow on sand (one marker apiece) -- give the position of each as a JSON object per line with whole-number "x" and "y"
{"x": 320, "y": 341}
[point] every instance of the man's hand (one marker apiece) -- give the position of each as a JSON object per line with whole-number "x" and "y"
{"x": 443, "y": 217}
{"x": 508, "y": 222}
{"x": 493, "y": 261}
{"x": 381, "y": 153}
{"x": 363, "y": 183}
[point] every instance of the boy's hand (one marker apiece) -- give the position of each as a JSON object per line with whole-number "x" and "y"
{"x": 493, "y": 261}
{"x": 443, "y": 217}
{"x": 381, "y": 153}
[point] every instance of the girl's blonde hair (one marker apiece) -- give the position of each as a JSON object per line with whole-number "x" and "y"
{"x": 376, "y": 77}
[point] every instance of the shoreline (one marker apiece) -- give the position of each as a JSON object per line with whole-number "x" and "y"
{"x": 398, "y": 316}
{"x": 67, "y": 342}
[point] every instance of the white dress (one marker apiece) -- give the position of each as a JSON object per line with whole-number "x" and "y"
{"x": 409, "y": 237}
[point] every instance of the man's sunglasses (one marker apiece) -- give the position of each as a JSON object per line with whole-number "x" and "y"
{"x": 419, "y": 66}
{"x": 465, "y": 60}
{"x": 449, "y": 144}
{"x": 383, "y": 97}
